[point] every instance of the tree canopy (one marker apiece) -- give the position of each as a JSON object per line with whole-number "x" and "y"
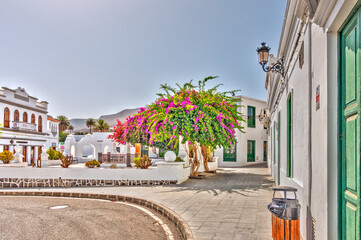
{"x": 197, "y": 114}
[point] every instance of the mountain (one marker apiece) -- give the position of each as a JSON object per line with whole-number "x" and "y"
{"x": 122, "y": 115}
{"x": 80, "y": 126}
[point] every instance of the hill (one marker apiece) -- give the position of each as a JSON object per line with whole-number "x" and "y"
{"x": 80, "y": 126}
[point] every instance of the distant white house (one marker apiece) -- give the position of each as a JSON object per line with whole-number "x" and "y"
{"x": 87, "y": 147}
{"x": 24, "y": 121}
{"x": 252, "y": 145}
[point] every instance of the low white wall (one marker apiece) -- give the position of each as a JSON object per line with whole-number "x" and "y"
{"x": 164, "y": 171}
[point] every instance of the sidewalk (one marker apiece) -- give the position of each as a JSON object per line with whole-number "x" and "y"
{"x": 228, "y": 205}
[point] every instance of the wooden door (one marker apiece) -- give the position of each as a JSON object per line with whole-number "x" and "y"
{"x": 24, "y": 153}
{"x": 230, "y": 154}
{"x": 250, "y": 150}
{"x": 350, "y": 104}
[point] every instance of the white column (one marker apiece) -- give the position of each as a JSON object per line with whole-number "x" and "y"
{"x": 1, "y": 148}
{"x": 28, "y": 154}
{"x": 11, "y": 149}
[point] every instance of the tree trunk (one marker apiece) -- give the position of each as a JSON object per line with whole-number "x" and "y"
{"x": 195, "y": 161}
{"x": 205, "y": 155}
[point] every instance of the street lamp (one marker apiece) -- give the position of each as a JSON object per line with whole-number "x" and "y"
{"x": 263, "y": 54}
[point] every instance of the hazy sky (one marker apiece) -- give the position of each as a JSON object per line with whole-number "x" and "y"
{"x": 93, "y": 57}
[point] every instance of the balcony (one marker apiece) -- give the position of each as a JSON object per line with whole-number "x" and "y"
{"x": 17, "y": 125}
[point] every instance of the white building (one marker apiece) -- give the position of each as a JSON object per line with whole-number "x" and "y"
{"x": 252, "y": 145}
{"x": 87, "y": 147}
{"x": 314, "y": 111}
{"x": 24, "y": 121}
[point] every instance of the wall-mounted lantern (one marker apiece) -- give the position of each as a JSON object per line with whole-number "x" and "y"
{"x": 263, "y": 54}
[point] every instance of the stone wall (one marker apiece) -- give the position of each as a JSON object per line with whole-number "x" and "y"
{"x": 59, "y": 182}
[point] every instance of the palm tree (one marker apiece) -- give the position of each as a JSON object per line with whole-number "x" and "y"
{"x": 101, "y": 126}
{"x": 64, "y": 123}
{"x": 70, "y": 128}
{"x": 90, "y": 123}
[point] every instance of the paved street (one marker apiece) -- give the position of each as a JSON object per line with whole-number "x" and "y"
{"x": 61, "y": 218}
{"x": 228, "y": 205}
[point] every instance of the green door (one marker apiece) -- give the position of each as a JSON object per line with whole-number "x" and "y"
{"x": 350, "y": 130}
{"x": 230, "y": 154}
{"x": 250, "y": 150}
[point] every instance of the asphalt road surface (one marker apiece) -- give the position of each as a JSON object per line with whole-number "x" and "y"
{"x": 61, "y": 218}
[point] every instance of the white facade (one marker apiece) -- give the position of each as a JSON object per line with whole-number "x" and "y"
{"x": 24, "y": 121}
{"x": 255, "y": 133}
{"x": 87, "y": 147}
{"x": 303, "y": 133}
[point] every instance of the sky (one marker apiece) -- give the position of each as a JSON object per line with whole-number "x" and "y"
{"x": 93, "y": 57}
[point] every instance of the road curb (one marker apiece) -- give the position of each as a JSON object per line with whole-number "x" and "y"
{"x": 179, "y": 222}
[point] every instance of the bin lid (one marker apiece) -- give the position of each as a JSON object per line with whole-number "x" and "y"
{"x": 288, "y": 209}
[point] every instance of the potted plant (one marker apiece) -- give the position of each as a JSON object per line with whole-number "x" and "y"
{"x": 6, "y": 156}
{"x": 143, "y": 162}
{"x": 92, "y": 163}
{"x": 66, "y": 161}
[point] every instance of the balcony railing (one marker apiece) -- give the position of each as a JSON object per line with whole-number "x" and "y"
{"x": 24, "y": 126}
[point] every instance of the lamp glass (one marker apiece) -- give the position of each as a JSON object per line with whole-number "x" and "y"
{"x": 263, "y": 57}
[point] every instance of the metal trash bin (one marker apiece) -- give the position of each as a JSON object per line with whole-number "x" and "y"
{"x": 285, "y": 215}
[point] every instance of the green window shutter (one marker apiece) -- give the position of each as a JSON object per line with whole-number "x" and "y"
{"x": 251, "y": 119}
{"x": 289, "y": 136}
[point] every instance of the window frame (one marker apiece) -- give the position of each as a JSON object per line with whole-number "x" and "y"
{"x": 16, "y": 116}
{"x": 25, "y": 117}
{"x": 251, "y": 120}
{"x": 40, "y": 124}
{"x": 6, "y": 117}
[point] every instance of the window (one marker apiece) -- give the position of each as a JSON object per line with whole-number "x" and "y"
{"x": 25, "y": 117}
{"x": 251, "y": 122}
{"x": 33, "y": 118}
{"x": 289, "y": 136}
{"x": 6, "y": 148}
{"x": 40, "y": 124}
{"x": 16, "y": 116}
{"x": 7, "y": 117}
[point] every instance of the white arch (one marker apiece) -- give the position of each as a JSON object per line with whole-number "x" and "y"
{"x": 106, "y": 148}
{"x": 72, "y": 150}
{"x": 88, "y": 151}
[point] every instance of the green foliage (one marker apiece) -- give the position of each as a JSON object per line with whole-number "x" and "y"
{"x": 197, "y": 114}
{"x": 92, "y": 163}
{"x": 64, "y": 123}
{"x": 113, "y": 166}
{"x": 62, "y": 136}
{"x": 54, "y": 155}
{"x": 101, "y": 126}
{"x": 6, "y": 156}
{"x": 143, "y": 162}
{"x": 178, "y": 159}
{"x": 90, "y": 122}
{"x": 79, "y": 133}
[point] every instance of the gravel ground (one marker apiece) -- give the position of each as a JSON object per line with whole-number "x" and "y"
{"x": 32, "y": 218}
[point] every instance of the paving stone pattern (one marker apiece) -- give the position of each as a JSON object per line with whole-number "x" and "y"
{"x": 231, "y": 204}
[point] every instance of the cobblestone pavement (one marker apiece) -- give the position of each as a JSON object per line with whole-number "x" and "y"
{"x": 231, "y": 204}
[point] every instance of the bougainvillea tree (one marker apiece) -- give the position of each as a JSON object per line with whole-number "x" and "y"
{"x": 203, "y": 118}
